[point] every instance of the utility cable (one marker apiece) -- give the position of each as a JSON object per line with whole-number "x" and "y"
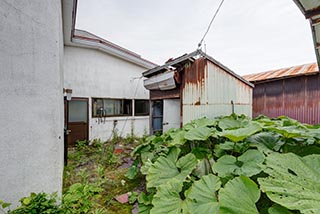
{"x": 214, "y": 16}
{"x": 134, "y": 100}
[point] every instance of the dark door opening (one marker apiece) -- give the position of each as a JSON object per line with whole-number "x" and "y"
{"x": 157, "y": 116}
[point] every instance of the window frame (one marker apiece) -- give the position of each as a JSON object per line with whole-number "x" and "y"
{"x": 142, "y": 114}
{"x": 93, "y": 99}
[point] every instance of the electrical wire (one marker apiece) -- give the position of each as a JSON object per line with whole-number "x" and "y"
{"x": 214, "y": 16}
{"x": 134, "y": 97}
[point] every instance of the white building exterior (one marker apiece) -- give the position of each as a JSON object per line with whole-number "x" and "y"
{"x": 40, "y": 55}
{"x": 92, "y": 73}
{"x": 31, "y": 83}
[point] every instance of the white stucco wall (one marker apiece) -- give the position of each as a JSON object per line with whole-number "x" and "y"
{"x": 93, "y": 73}
{"x": 31, "y": 99}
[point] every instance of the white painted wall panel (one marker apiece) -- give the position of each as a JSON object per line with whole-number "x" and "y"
{"x": 92, "y": 73}
{"x": 31, "y": 109}
{"x": 171, "y": 114}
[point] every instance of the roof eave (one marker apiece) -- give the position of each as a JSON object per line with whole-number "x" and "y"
{"x": 69, "y": 21}
{"x": 166, "y": 66}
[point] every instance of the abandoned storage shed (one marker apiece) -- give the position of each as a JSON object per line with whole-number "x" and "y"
{"x": 192, "y": 86}
{"x": 293, "y": 92}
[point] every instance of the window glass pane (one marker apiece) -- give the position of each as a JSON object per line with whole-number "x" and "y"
{"x": 141, "y": 107}
{"x": 102, "y": 107}
{"x": 108, "y": 106}
{"x": 127, "y": 107}
{"x": 77, "y": 111}
{"x": 117, "y": 107}
{"x": 97, "y": 107}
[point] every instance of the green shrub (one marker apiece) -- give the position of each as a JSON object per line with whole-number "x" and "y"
{"x": 38, "y": 203}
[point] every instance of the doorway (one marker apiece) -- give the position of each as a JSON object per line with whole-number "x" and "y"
{"x": 157, "y": 116}
{"x": 77, "y": 120}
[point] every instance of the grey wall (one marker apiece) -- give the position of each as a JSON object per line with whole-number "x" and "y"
{"x": 31, "y": 99}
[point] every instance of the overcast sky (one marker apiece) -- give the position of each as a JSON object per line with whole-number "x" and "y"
{"x": 248, "y": 36}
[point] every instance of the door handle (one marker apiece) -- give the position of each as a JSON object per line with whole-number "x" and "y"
{"x": 68, "y": 132}
{"x": 166, "y": 123}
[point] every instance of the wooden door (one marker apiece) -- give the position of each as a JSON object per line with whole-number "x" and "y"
{"x": 77, "y": 123}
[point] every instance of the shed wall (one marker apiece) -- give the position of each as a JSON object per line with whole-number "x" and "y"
{"x": 31, "y": 124}
{"x": 208, "y": 91}
{"x": 92, "y": 73}
{"x": 297, "y": 97}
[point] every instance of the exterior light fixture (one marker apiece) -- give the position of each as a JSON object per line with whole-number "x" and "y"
{"x": 67, "y": 93}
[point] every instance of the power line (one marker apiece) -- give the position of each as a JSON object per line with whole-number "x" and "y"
{"x": 214, "y": 16}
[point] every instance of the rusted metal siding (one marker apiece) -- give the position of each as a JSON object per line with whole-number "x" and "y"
{"x": 297, "y": 97}
{"x": 208, "y": 90}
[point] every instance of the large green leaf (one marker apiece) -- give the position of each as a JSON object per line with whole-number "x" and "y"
{"x": 144, "y": 209}
{"x": 204, "y": 167}
{"x": 202, "y": 197}
{"x": 177, "y": 138}
{"x": 202, "y": 122}
{"x": 167, "y": 199}
{"x": 200, "y": 133}
{"x": 276, "y": 209}
{"x": 231, "y": 122}
{"x": 239, "y": 134}
{"x": 289, "y": 131}
{"x": 270, "y": 140}
{"x": 247, "y": 164}
{"x": 294, "y": 182}
{"x": 166, "y": 168}
{"x": 239, "y": 196}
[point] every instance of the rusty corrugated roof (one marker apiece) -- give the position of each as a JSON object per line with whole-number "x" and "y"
{"x": 300, "y": 70}
{"x": 181, "y": 60}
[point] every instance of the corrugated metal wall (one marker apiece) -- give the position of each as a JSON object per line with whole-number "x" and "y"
{"x": 297, "y": 97}
{"x": 210, "y": 93}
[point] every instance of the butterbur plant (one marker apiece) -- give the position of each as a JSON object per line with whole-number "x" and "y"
{"x": 231, "y": 165}
{"x": 80, "y": 198}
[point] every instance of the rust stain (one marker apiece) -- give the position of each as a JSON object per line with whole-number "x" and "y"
{"x": 198, "y": 102}
{"x": 300, "y": 70}
{"x": 195, "y": 73}
{"x": 177, "y": 77}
